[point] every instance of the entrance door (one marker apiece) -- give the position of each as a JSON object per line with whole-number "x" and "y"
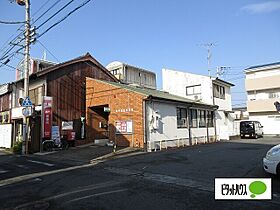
{"x": 98, "y": 127}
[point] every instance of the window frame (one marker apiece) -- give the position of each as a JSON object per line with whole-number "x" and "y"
{"x": 179, "y": 117}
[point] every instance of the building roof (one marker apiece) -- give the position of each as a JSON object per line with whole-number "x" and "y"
{"x": 223, "y": 81}
{"x": 157, "y": 94}
{"x": 118, "y": 63}
{"x": 257, "y": 67}
{"x": 201, "y": 75}
{"x": 85, "y": 58}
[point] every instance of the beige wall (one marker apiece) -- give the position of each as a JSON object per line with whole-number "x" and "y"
{"x": 262, "y": 105}
{"x": 263, "y": 83}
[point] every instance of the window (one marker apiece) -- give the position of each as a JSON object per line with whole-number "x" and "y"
{"x": 210, "y": 118}
{"x": 202, "y": 118}
{"x": 36, "y": 94}
{"x": 116, "y": 71}
{"x": 219, "y": 91}
{"x": 193, "y": 90}
{"x": 273, "y": 95}
{"x": 193, "y": 118}
{"x": 182, "y": 118}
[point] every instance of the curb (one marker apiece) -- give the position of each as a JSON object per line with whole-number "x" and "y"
{"x": 118, "y": 154}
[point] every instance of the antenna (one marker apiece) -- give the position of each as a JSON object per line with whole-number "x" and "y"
{"x": 44, "y": 55}
{"x": 209, "y": 46}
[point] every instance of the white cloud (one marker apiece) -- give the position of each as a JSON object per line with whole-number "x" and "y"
{"x": 266, "y": 7}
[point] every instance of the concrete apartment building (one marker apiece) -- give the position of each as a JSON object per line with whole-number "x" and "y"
{"x": 263, "y": 90}
{"x": 205, "y": 89}
{"x": 132, "y": 75}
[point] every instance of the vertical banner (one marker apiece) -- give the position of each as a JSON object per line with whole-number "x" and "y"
{"x": 47, "y": 117}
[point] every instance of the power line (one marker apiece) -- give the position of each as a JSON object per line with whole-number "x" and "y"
{"x": 236, "y": 78}
{"x": 22, "y": 33}
{"x": 11, "y": 22}
{"x": 42, "y": 7}
{"x": 65, "y": 17}
{"x": 66, "y": 5}
{"x": 48, "y": 51}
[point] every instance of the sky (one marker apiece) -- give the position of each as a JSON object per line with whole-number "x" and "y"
{"x": 155, "y": 34}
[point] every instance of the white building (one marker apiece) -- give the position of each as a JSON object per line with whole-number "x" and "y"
{"x": 132, "y": 75}
{"x": 263, "y": 90}
{"x": 207, "y": 90}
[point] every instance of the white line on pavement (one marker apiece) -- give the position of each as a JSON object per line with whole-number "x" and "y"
{"x": 94, "y": 195}
{"x": 39, "y": 162}
{"x": 3, "y": 171}
{"x": 40, "y": 174}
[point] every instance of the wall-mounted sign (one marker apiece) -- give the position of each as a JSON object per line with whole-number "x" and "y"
{"x": 124, "y": 127}
{"x": 17, "y": 113}
{"x": 47, "y": 117}
{"x": 4, "y": 117}
{"x": 6, "y": 135}
{"x": 107, "y": 109}
{"x": 67, "y": 125}
{"x": 27, "y": 111}
{"x": 124, "y": 110}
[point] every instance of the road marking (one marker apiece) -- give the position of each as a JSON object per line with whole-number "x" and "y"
{"x": 95, "y": 195}
{"x": 45, "y": 153}
{"x": 22, "y": 166}
{"x": 40, "y": 174}
{"x": 3, "y": 171}
{"x": 39, "y": 162}
{"x": 83, "y": 189}
{"x": 200, "y": 185}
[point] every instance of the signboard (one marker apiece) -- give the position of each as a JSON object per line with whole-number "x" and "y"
{"x": 124, "y": 127}
{"x": 17, "y": 113}
{"x": 47, "y": 117}
{"x": 6, "y": 135}
{"x": 5, "y": 117}
{"x": 67, "y": 125}
{"x": 107, "y": 109}
{"x": 27, "y": 102}
{"x": 56, "y": 134}
{"x": 27, "y": 111}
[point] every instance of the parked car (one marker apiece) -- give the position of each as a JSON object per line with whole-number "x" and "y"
{"x": 271, "y": 162}
{"x": 252, "y": 129}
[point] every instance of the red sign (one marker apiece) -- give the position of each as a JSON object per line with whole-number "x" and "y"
{"x": 47, "y": 117}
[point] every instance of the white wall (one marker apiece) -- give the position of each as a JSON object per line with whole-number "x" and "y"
{"x": 168, "y": 130}
{"x": 175, "y": 82}
{"x": 270, "y": 122}
{"x": 224, "y": 104}
{"x": 168, "y": 123}
{"x": 260, "y": 74}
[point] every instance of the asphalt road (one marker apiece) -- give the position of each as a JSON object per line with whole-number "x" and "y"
{"x": 174, "y": 179}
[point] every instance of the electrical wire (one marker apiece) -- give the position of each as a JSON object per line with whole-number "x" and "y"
{"x": 61, "y": 9}
{"x": 65, "y": 17}
{"x": 11, "y": 22}
{"x": 48, "y": 51}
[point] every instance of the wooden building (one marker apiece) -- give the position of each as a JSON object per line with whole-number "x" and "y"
{"x": 66, "y": 83}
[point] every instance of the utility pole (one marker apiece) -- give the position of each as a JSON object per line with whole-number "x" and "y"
{"x": 26, "y": 74}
